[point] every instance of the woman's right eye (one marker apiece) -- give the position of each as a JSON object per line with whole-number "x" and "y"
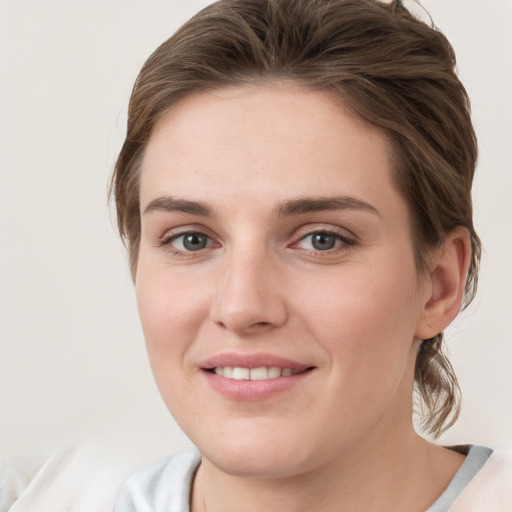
{"x": 188, "y": 242}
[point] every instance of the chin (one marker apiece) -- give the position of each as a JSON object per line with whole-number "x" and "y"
{"x": 252, "y": 463}
{"x": 258, "y": 453}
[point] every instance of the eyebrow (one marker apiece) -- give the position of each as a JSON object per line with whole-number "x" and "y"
{"x": 305, "y": 205}
{"x": 288, "y": 208}
{"x": 171, "y": 204}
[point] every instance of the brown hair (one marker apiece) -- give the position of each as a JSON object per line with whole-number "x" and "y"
{"x": 389, "y": 68}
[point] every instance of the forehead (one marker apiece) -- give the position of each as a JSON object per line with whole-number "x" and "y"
{"x": 262, "y": 141}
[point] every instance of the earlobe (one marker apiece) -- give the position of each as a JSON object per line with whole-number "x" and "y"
{"x": 446, "y": 280}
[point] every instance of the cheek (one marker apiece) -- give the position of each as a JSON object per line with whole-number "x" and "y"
{"x": 366, "y": 320}
{"x": 171, "y": 312}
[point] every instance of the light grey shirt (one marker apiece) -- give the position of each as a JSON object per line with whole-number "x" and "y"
{"x": 165, "y": 485}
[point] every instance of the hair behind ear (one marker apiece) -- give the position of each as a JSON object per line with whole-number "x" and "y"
{"x": 437, "y": 387}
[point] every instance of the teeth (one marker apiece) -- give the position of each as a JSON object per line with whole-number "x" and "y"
{"x": 261, "y": 373}
{"x": 241, "y": 373}
{"x": 274, "y": 372}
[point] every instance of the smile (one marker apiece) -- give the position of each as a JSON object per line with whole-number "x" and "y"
{"x": 253, "y": 377}
{"x": 261, "y": 373}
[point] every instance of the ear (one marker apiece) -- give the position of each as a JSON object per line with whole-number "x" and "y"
{"x": 444, "y": 285}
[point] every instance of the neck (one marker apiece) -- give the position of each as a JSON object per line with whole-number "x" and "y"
{"x": 358, "y": 480}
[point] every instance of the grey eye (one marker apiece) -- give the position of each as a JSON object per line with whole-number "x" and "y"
{"x": 323, "y": 241}
{"x": 194, "y": 241}
{"x": 190, "y": 242}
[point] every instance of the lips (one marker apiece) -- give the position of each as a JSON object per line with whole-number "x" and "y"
{"x": 254, "y": 376}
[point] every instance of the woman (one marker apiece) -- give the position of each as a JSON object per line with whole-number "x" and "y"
{"x": 295, "y": 194}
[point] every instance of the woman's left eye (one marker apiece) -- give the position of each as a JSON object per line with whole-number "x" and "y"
{"x": 323, "y": 241}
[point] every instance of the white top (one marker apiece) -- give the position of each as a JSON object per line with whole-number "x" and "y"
{"x": 482, "y": 484}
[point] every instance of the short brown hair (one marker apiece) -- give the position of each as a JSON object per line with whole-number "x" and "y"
{"x": 391, "y": 69}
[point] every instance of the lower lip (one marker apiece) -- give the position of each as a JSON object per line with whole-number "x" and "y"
{"x": 252, "y": 390}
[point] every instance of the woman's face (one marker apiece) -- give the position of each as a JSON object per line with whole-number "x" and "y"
{"x": 276, "y": 281}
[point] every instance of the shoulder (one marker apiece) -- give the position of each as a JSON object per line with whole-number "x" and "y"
{"x": 164, "y": 485}
{"x": 490, "y": 489}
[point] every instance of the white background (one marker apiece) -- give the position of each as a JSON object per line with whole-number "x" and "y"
{"x": 72, "y": 356}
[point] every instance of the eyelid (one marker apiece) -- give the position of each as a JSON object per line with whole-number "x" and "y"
{"x": 177, "y": 231}
{"x": 310, "y": 229}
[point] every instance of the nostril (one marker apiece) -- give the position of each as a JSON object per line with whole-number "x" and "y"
{"x": 247, "y": 318}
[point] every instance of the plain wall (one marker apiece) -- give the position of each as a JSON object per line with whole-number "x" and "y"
{"x": 72, "y": 355}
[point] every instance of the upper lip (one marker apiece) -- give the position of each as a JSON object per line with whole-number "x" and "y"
{"x": 251, "y": 361}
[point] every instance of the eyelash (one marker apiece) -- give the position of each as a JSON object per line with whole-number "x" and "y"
{"x": 343, "y": 243}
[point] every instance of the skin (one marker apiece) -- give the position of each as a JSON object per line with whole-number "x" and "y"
{"x": 354, "y": 313}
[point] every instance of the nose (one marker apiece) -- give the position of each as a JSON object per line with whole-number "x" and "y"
{"x": 249, "y": 296}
